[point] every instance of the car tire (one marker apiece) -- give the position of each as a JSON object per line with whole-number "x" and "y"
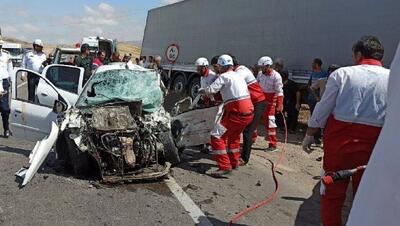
{"x": 170, "y": 149}
{"x": 179, "y": 84}
{"x": 194, "y": 87}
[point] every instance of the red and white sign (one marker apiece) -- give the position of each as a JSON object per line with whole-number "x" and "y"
{"x": 172, "y": 53}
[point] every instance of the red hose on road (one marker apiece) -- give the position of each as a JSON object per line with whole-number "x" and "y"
{"x": 277, "y": 188}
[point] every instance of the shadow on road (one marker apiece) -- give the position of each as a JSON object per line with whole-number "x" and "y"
{"x": 309, "y": 211}
{"x": 190, "y": 162}
{"x": 216, "y": 222}
{"x": 19, "y": 151}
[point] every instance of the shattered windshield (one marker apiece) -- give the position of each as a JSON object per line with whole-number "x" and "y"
{"x": 123, "y": 85}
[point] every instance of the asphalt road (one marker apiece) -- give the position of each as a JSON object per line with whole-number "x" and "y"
{"x": 54, "y": 197}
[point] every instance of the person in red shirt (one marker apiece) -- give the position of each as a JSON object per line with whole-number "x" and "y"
{"x": 99, "y": 60}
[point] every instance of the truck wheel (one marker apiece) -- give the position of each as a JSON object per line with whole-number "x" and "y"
{"x": 171, "y": 152}
{"x": 194, "y": 87}
{"x": 178, "y": 86}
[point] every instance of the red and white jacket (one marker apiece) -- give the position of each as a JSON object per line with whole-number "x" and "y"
{"x": 235, "y": 95}
{"x": 207, "y": 79}
{"x": 271, "y": 83}
{"x": 272, "y": 87}
{"x": 256, "y": 92}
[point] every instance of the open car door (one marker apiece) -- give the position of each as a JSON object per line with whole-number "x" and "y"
{"x": 67, "y": 79}
{"x": 30, "y": 118}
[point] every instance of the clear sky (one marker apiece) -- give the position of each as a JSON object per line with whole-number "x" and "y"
{"x": 67, "y": 21}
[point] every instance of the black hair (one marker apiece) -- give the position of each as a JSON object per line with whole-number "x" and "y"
{"x": 370, "y": 48}
{"x": 332, "y": 68}
{"x": 318, "y": 61}
{"x": 100, "y": 52}
{"x": 214, "y": 60}
{"x": 84, "y": 47}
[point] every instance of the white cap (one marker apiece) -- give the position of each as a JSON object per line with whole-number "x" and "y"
{"x": 225, "y": 60}
{"x": 38, "y": 42}
{"x": 202, "y": 62}
{"x": 158, "y": 58}
{"x": 265, "y": 61}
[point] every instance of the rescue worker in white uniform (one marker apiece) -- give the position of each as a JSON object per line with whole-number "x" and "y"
{"x": 272, "y": 85}
{"x": 206, "y": 79}
{"x": 352, "y": 111}
{"x": 238, "y": 113}
{"x": 34, "y": 60}
{"x": 5, "y": 73}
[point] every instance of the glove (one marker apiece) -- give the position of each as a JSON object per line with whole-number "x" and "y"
{"x": 279, "y": 104}
{"x": 307, "y": 142}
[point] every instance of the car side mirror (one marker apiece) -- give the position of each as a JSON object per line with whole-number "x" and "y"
{"x": 59, "y": 106}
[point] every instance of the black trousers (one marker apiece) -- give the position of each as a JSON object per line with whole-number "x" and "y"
{"x": 292, "y": 117}
{"x": 259, "y": 109}
{"x": 33, "y": 81}
{"x": 5, "y": 105}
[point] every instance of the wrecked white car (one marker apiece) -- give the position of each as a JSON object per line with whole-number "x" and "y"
{"x": 117, "y": 128}
{"x": 192, "y": 123}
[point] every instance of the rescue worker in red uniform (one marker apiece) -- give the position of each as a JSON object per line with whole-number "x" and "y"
{"x": 238, "y": 113}
{"x": 258, "y": 99}
{"x": 352, "y": 111}
{"x": 271, "y": 83}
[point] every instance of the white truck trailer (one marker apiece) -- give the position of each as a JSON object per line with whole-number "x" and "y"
{"x": 297, "y": 31}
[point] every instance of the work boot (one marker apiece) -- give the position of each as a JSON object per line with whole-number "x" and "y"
{"x": 220, "y": 173}
{"x": 242, "y": 162}
{"x": 271, "y": 149}
{"x": 7, "y": 133}
{"x": 317, "y": 142}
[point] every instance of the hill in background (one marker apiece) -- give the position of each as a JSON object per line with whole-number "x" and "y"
{"x": 123, "y": 47}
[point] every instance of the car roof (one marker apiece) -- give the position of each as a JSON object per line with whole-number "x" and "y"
{"x": 64, "y": 49}
{"x": 118, "y": 66}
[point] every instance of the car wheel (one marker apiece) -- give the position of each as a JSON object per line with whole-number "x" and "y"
{"x": 179, "y": 84}
{"x": 194, "y": 87}
{"x": 171, "y": 152}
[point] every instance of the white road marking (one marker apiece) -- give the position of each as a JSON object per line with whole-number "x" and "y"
{"x": 22, "y": 84}
{"x": 194, "y": 211}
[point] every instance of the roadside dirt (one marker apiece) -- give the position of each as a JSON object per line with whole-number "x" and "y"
{"x": 57, "y": 198}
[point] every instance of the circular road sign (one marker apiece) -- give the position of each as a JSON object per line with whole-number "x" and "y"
{"x": 172, "y": 53}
